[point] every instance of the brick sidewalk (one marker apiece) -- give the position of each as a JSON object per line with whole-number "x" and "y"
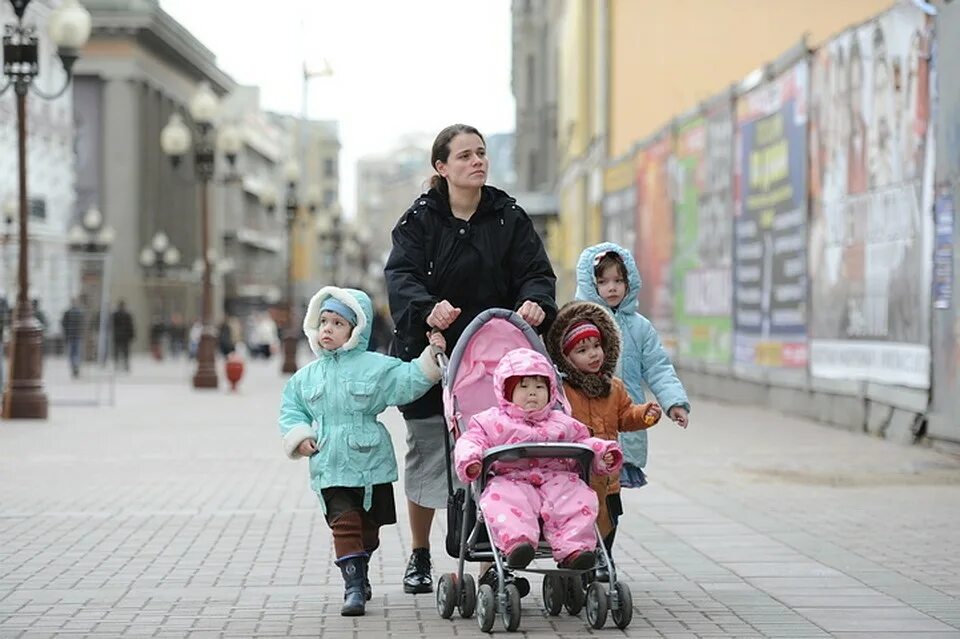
{"x": 175, "y": 514}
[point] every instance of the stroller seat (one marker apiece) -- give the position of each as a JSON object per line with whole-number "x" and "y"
{"x": 467, "y": 381}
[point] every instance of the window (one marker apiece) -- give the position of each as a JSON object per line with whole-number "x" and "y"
{"x": 329, "y": 168}
{"x": 38, "y": 208}
{"x": 329, "y": 197}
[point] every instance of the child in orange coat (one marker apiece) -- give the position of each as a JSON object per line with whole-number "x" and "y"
{"x": 584, "y": 343}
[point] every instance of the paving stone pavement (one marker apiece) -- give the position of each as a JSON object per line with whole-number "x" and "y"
{"x": 174, "y": 513}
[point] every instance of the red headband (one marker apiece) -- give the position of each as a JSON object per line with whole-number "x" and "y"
{"x": 577, "y": 333}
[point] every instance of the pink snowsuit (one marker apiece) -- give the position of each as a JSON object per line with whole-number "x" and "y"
{"x": 521, "y": 491}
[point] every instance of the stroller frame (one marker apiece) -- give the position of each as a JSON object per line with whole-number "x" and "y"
{"x": 562, "y": 587}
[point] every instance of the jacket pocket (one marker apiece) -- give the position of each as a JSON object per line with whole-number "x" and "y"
{"x": 360, "y": 396}
{"x": 364, "y": 436}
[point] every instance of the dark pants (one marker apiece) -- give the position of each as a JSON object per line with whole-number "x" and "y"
{"x": 73, "y": 351}
{"x": 121, "y": 352}
{"x": 357, "y": 531}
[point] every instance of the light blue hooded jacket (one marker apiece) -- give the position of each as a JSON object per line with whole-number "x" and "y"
{"x": 335, "y": 400}
{"x": 642, "y": 356}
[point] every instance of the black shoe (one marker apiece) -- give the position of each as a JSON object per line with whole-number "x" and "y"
{"x": 367, "y": 589}
{"x": 579, "y": 560}
{"x": 521, "y": 556}
{"x": 489, "y": 577}
{"x": 353, "y": 601}
{"x": 417, "y": 578}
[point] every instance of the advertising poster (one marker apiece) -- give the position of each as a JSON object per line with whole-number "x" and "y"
{"x": 654, "y": 242}
{"x": 871, "y": 208}
{"x": 703, "y": 209}
{"x": 770, "y": 227}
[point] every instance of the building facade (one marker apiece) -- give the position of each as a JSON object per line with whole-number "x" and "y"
{"x": 54, "y": 201}
{"x": 140, "y": 66}
{"x": 534, "y": 83}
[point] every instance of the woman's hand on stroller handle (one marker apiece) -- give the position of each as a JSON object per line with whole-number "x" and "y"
{"x": 443, "y": 315}
{"x": 531, "y": 313}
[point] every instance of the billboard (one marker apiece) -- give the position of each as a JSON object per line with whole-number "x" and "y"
{"x": 871, "y": 224}
{"x": 703, "y": 209}
{"x": 770, "y": 224}
{"x": 654, "y": 240}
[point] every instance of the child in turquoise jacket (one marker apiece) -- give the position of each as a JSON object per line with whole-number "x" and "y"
{"x": 328, "y": 412}
{"x": 607, "y": 275}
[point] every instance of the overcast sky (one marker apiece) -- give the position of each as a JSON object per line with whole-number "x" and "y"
{"x": 399, "y": 66}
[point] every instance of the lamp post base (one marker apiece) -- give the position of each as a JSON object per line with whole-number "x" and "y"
{"x": 24, "y": 397}
{"x": 289, "y": 354}
{"x": 206, "y": 375}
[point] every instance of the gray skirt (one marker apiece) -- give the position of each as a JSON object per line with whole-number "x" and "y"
{"x": 425, "y": 465}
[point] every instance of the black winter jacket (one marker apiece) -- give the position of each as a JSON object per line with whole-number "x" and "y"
{"x": 495, "y": 259}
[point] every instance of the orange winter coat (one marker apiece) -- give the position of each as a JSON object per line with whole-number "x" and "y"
{"x": 607, "y": 417}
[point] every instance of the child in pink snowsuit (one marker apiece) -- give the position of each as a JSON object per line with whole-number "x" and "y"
{"x": 521, "y": 492}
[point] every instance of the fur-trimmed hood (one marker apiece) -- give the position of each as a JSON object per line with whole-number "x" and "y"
{"x": 358, "y": 301}
{"x": 592, "y": 385}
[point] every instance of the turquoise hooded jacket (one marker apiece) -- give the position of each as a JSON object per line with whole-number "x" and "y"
{"x": 642, "y": 357}
{"x": 335, "y": 400}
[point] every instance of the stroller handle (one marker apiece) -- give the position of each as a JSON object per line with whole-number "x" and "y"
{"x": 581, "y": 453}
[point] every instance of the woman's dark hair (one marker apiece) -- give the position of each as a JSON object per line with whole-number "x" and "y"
{"x": 611, "y": 258}
{"x": 441, "y": 151}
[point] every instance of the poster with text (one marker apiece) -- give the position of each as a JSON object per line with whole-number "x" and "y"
{"x": 770, "y": 227}
{"x": 703, "y": 208}
{"x": 654, "y": 241}
{"x": 871, "y": 221}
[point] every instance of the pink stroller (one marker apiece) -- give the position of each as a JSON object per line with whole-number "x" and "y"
{"x": 468, "y": 389}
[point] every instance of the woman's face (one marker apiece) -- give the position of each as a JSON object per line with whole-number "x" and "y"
{"x": 466, "y": 166}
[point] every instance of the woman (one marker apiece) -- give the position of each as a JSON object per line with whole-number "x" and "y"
{"x": 463, "y": 247}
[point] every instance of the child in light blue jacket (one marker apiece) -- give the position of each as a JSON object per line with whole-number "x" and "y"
{"x": 328, "y": 412}
{"x": 607, "y": 275}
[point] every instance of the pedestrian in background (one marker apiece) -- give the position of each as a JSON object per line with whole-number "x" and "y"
{"x": 352, "y": 461}
{"x": 177, "y": 334}
{"x": 123, "y": 334}
{"x": 72, "y": 325}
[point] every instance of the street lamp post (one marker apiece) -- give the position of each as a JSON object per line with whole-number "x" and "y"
{"x": 92, "y": 238}
{"x": 175, "y": 139}
{"x": 330, "y": 235}
{"x": 69, "y": 28}
{"x": 292, "y": 176}
{"x": 155, "y": 258}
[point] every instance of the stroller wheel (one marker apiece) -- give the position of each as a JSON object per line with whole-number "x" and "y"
{"x": 486, "y": 608}
{"x": 552, "y": 594}
{"x": 623, "y": 613}
{"x": 468, "y": 596}
{"x": 597, "y": 605}
{"x": 447, "y": 595}
{"x": 574, "y": 597}
{"x": 510, "y": 615}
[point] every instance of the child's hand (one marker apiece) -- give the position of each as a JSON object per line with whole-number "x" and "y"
{"x": 473, "y": 469}
{"x": 608, "y": 459}
{"x": 679, "y": 415}
{"x": 436, "y": 339}
{"x": 652, "y": 415}
{"x": 307, "y": 447}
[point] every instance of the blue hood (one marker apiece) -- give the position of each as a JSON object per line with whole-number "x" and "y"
{"x": 586, "y": 285}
